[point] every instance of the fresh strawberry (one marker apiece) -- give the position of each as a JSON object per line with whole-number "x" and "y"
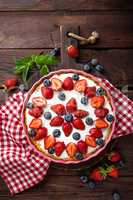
{"x": 56, "y": 121}
{"x": 67, "y": 128}
{"x": 41, "y": 133}
{"x": 114, "y": 156}
{"x": 35, "y": 123}
{"x": 113, "y": 171}
{"x": 59, "y": 109}
{"x": 68, "y": 84}
{"x": 80, "y": 113}
{"x": 90, "y": 91}
{"x": 35, "y": 112}
{"x": 72, "y": 51}
{"x": 97, "y": 101}
{"x": 10, "y": 83}
{"x": 98, "y": 174}
{"x": 39, "y": 101}
{"x": 59, "y": 148}
{"x": 90, "y": 141}
{"x": 100, "y": 123}
{"x": 80, "y": 85}
{"x": 49, "y": 141}
{"x": 71, "y": 105}
{"x": 101, "y": 112}
{"x": 82, "y": 146}
{"x": 47, "y": 92}
{"x": 71, "y": 149}
{"x": 94, "y": 132}
{"x": 78, "y": 124}
{"x": 56, "y": 84}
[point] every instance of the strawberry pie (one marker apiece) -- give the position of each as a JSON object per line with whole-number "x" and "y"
{"x": 68, "y": 116}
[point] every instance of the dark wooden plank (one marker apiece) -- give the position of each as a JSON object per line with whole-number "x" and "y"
{"x": 33, "y": 30}
{"x": 70, "y": 5}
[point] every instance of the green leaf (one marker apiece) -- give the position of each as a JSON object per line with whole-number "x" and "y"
{"x": 44, "y": 70}
{"x": 45, "y": 59}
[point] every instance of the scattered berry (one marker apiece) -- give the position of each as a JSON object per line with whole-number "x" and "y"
{"x": 29, "y": 105}
{"x": 62, "y": 96}
{"x": 68, "y": 117}
{"x": 84, "y": 179}
{"x": 100, "y": 141}
{"x": 98, "y": 174}
{"x": 56, "y": 84}
{"x": 47, "y": 115}
{"x": 10, "y": 83}
{"x": 41, "y": 133}
{"x": 114, "y": 156}
{"x": 101, "y": 112}
{"x": 35, "y": 112}
{"x": 39, "y": 101}
{"x": 100, "y": 123}
{"x": 56, "y": 121}
{"x": 113, "y": 171}
{"x": 97, "y": 101}
{"x": 99, "y": 68}
{"x": 72, "y": 51}
{"x": 82, "y": 146}
{"x": 59, "y": 109}
{"x": 90, "y": 91}
{"x": 67, "y": 128}
{"x": 116, "y": 196}
{"x": 80, "y": 85}
{"x": 90, "y": 141}
{"x": 22, "y": 87}
{"x": 120, "y": 164}
{"x": 68, "y": 84}
{"x": 100, "y": 91}
{"x": 75, "y": 77}
{"x": 76, "y": 136}
{"x": 84, "y": 100}
{"x": 91, "y": 184}
{"x": 71, "y": 149}
{"x": 94, "y": 61}
{"x": 71, "y": 105}
{"x": 94, "y": 132}
{"x": 80, "y": 113}
{"x": 35, "y": 123}
{"x": 51, "y": 150}
{"x": 56, "y": 133}
{"x": 59, "y": 148}
{"x": 79, "y": 156}
{"x": 78, "y": 124}
{"x": 47, "y": 82}
{"x": 89, "y": 121}
{"x": 87, "y": 68}
{"x": 55, "y": 52}
{"x": 32, "y": 133}
{"x": 110, "y": 118}
{"x": 49, "y": 141}
{"x": 47, "y": 92}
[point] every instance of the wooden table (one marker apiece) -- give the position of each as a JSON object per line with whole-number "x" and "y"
{"x": 25, "y": 28}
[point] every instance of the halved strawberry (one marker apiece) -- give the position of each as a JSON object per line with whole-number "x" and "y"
{"x": 100, "y": 123}
{"x": 71, "y": 149}
{"x": 41, "y": 133}
{"x": 56, "y": 121}
{"x": 35, "y": 112}
{"x": 47, "y": 92}
{"x": 49, "y": 141}
{"x": 80, "y": 113}
{"x": 113, "y": 171}
{"x": 59, "y": 148}
{"x": 35, "y": 123}
{"x": 68, "y": 84}
{"x": 101, "y": 112}
{"x": 82, "y": 146}
{"x": 71, "y": 105}
{"x": 67, "y": 128}
{"x": 90, "y": 91}
{"x": 97, "y": 101}
{"x": 90, "y": 141}
{"x": 80, "y": 85}
{"x": 59, "y": 109}
{"x": 78, "y": 124}
{"x": 39, "y": 101}
{"x": 56, "y": 84}
{"x": 94, "y": 132}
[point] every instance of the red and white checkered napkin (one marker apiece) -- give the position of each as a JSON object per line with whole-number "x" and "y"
{"x": 20, "y": 166}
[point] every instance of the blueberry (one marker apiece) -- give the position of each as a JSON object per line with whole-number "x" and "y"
{"x": 100, "y": 141}
{"x": 91, "y": 184}
{"x": 22, "y": 87}
{"x": 51, "y": 150}
{"x": 99, "y": 68}
{"x": 100, "y": 91}
{"x": 61, "y": 96}
{"x": 89, "y": 121}
{"x": 84, "y": 179}
{"x": 76, "y": 136}
{"x": 29, "y": 105}
{"x": 110, "y": 118}
{"x": 94, "y": 61}
{"x": 84, "y": 100}
{"x": 79, "y": 156}
{"x": 116, "y": 196}
{"x": 68, "y": 117}
{"x": 120, "y": 164}
{"x": 47, "y": 82}
{"x": 47, "y": 115}
{"x": 75, "y": 77}
{"x": 87, "y": 67}
{"x": 56, "y": 133}
{"x": 32, "y": 133}
{"x": 55, "y": 52}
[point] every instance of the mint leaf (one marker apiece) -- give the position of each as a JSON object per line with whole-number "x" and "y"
{"x": 44, "y": 70}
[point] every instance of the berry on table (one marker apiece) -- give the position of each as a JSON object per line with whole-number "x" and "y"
{"x": 79, "y": 156}
{"x": 100, "y": 141}
{"x": 84, "y": 100}
{"x": 89, "y": 121}
{"x": 55, "y": 52}
{"x": 68, "y": 117}
{"x": 10, "y": 83}
{"x": 72, "y": 51}
{"x": 76, "y": 136}
{"x": 56, "y": 133}
{"x": 116, "y": 196}
{"x": 47, "y": 115}
{"x": 99, "y": 68}
{"x": 21, "y": 87}
{"x": 87, "y": 67}
{"x": 91, "y": 184}
{"x": 75, "y": 77}
{"x": 110, "y": 118}
{"x": 32, "y": 133}
{"x": 120, "y": 164}
{"x": 29, "y": 105}
{"x": 84, "y": 179}
{"x": 47, "y": 82}
{"x": 100, "y": 91}
{"x": 94, "y": 61}
{"x": 62, "y": 96}
{"x": 51, "y": 150}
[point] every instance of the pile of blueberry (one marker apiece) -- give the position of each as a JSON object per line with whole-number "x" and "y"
{"x": 93, "y": 66}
